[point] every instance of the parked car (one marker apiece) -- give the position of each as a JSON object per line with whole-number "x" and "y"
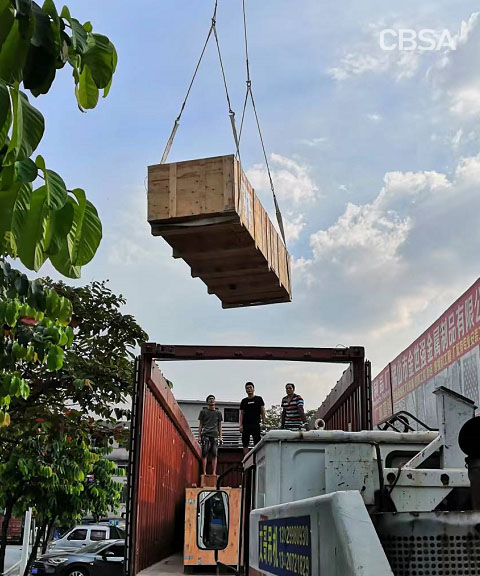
{"x": 85, "y": 534}
{"x": 98, "y": 559}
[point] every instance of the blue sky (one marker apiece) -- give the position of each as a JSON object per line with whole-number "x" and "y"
{"x": 375, "y": 158}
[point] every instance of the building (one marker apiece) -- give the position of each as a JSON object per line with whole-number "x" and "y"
{"x": 230, "y": 425}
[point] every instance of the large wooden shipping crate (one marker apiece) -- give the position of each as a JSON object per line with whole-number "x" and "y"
{"x": 195, "y": 556}
{"x": 210, "y": 215}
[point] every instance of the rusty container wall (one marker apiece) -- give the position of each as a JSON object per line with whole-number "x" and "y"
{"x": 228, "y": 458}
{"x": 348, "y": 405}
{"x": 165, "y": 463}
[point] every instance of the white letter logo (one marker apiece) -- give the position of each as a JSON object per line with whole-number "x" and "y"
{"x": 446, "y": 40}
{"x": 407, "y": 39}
{"x": 427, "y": 36}
{"x": 383, "y": 33}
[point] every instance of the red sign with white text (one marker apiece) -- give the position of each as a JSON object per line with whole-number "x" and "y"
{"x": 454, "y": 334}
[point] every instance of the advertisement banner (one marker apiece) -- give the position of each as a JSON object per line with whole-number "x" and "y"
{"x": 284, "y": 546}
{"x": 452, "y": 336}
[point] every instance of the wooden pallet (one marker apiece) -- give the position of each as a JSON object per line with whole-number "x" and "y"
{"x": 211, "y": 217}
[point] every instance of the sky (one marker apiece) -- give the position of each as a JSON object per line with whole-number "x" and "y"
{"x": 375, "y": 157}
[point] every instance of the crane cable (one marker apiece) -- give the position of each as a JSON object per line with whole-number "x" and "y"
{"x": 247, "y": 94}
{"x": 213, "y": 28}
{"x": 236, "y": 136}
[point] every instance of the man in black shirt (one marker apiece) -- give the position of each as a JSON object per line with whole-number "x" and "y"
{"x": 252, "y": 409}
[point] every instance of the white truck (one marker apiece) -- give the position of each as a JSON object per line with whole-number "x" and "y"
{"x": 371, "y": 503}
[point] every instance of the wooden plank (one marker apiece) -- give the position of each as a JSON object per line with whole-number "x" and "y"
{"x": 158, "y": 194}
{"x": 228, "y": 183}
{"x": 184, "y": 231}
{"x": 205, "y": 256}
{"x": 245, "y": 281}
{"x": 172, "y": 191}
{"x": 262, "y": 301}
{"x": 231, "y": 275}
{"x": 201, "y": 244}
{"x": 230, "y": 554}
{"x": 195, "y": 556}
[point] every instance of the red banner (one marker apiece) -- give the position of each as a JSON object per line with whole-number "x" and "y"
{"x": 454, "y": 334}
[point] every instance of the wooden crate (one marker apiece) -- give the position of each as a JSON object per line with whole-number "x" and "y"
{"x": 211, "y": 217}
{"x": 194, "y": 556}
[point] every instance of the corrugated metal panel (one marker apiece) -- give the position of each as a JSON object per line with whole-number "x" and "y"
{"x": 348, "y": 406}
{"x": 227, "y": 458}
{"x": 169, "y": 462}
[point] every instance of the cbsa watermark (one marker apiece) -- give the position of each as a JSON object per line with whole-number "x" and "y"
{"x": 408, "y": 39}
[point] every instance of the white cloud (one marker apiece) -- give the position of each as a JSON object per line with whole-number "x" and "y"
{"x": 367, "y": 57}
{"x": 313, "y": 142}
{"x": 455, "y": 75}
{"x": 293, "y": 227}
{"x": 375, "y": 117}
{"x": 389, "y": 263}
{"x": 292, "y": 180}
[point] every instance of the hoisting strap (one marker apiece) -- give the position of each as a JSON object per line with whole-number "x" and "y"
{"x": 230, "y": 111}
{"x": 247, "y": 94}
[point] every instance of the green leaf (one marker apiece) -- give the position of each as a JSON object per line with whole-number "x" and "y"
{"x": 65, "y": 13}
{"x": 5, "y": 113}
{"x": 26, "y": 170}
{"x": 24, "y": 7}
{"x": 63, "y": 263}
{"x": 66, "y": 311}
{"x": 14, "y": 202}
{"x": 58, "y": 226}
{"x": 79, "y": 36}
{"x": 86, "y": 90}
{"x": 101, "y": 58}
{"x": 27, "y": 130}
{"x": 32, "y": 236}
{"x": 13, "y": 52}
{"x": 54, "y": 358}
{"x": 40, "y": 66}
{"x": 7, "y": 16}
{"x": 55, "y": 186}
{"x": 86, "y": 233}
{"x": 60, "y": 39}
{"x": 19, "y": 213}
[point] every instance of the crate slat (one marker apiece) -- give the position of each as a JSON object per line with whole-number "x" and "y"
{"x": 210, "y": 215}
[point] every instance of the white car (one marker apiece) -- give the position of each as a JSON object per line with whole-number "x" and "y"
{"x": 85, "y": 534}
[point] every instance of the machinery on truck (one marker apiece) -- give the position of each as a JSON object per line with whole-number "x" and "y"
{"x": 376, "y": 503}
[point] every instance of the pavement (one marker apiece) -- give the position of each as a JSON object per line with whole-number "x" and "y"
{"x": 173, "y": 565}
{"x": 12, "y": 555}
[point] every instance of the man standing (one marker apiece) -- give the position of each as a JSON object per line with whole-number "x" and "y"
{"x": 293, "y": 415}
{"x": 252, "y": 409}
{"x": 210, "y": 433}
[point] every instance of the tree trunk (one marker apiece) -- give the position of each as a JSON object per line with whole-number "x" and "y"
{"x": 48, "y": 536}
{"x": 3, "y": 542}
{"x": 33, "y": 554}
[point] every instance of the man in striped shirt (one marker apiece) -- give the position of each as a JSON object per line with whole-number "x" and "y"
{"x": 293, "y": 415}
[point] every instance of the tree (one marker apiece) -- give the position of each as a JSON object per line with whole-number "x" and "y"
{"x": 52, "y": 454}
{"x": 40, "y": 218}
{"x": 46, "y": 221}
{"x": 273, "y": 416}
